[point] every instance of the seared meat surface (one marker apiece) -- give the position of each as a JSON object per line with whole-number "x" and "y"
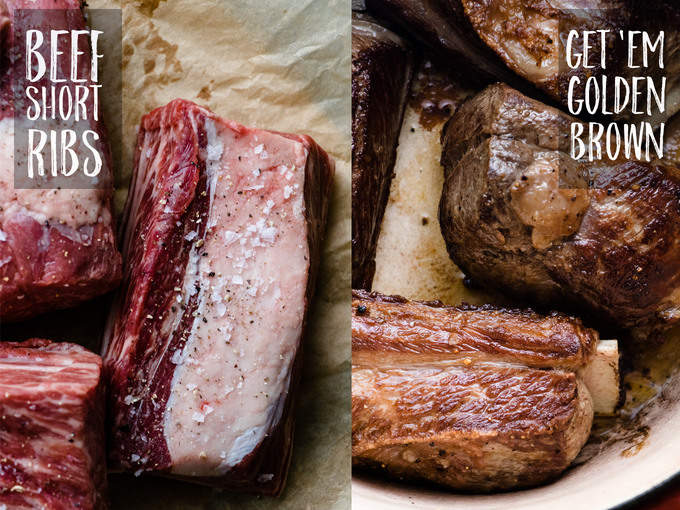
{"x": 518, "y": 214}
{"x": 524, "y": 36}
{"x": 471, "y": 398}
{"x": 381, "y": 72}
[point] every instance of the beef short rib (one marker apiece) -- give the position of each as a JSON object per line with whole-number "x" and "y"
{"x": 381, "y": 72}
{"x": 443, "y": 26}
{"x": 222, "y": 240}
{"x": 523, "y": 36}
{"x": 57, "y": 246}
{"x": 52, "y": 425}
{"x": 477, "y": 399}
{"x": 519, "y": 215}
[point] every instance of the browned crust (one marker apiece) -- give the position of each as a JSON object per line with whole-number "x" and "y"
{"x": 473, "y": 398}
{"x": 394, "y": 325}
{"x": 381, "y": 72}
{"x": 484, "y": 428}
{"x": 622, "y": 264}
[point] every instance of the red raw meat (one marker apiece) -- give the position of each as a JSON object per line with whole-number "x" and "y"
{"x": 57, "y": 246}
{"x": 51, "y": 427}
{"x": 222, "y": 244}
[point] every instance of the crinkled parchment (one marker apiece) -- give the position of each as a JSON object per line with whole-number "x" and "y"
{"x": 273, "y": 64}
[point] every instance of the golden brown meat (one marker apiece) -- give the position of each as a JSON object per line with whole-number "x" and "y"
{"x": 519, "y": 215}
{"x": 524, "y": 36}
{"x": 476, "y": 399}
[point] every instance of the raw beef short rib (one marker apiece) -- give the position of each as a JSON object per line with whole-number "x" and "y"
{"x": 223, "y": 227}
{"x": 51, "y": 427}
{"x": 57, "y": 246}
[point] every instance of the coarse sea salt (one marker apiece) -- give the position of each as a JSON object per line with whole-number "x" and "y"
{"x": 269, "y": 234}
{"x": 221, "y": 309}
{"x": 229, "y": 236}
{"x": 177, "y": 357}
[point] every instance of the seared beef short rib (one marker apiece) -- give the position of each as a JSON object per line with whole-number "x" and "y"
{"x": 519, "y": 215}
{"x": 522, "y": 36}
{"x": 472, "y": 398}
{"x": 381, "y": 72}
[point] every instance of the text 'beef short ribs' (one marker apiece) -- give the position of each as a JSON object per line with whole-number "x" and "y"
{"x": 223, "y": 227}
{"x": 520, "y": 215}
{"x": 381, "y": 73}
{"x": 57, "y": 246}
{"x": 52, "y": 427}
{"x": 470, "y": 398}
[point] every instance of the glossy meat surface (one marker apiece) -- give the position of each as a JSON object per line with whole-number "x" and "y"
{"x": 222, "y": 243}
{"x": 443, "y": 26}
{"x": 57, "y": 246}
{"x": 391, "y": 325}
{"x": 449, "y": 395}
{"x": 526, "y": 35}
{"x": 52, "y": 427}
{"x": 506, "y": 39}
{"x": 604, "y": 239}
{"x": 381, "y": 72}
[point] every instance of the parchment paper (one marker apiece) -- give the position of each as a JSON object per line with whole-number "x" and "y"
{"x": 273, "y": 64}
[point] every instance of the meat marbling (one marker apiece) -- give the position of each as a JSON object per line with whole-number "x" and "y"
{"x": 602, "y": 237}
{"x": 223, "y": 227}
{"x": 473, "y": 398}
{"x": 57, "y": 246}
{"x": 51, "y": 427}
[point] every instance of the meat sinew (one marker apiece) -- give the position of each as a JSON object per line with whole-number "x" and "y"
{"x": 518, "y": 214}
{"x": 223, "y": 229}
{"x": 470, "y": 398}
{"x": 52, "y": 427}
{"x": 57, "y": 246}
{"x": 381, "y": 72}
